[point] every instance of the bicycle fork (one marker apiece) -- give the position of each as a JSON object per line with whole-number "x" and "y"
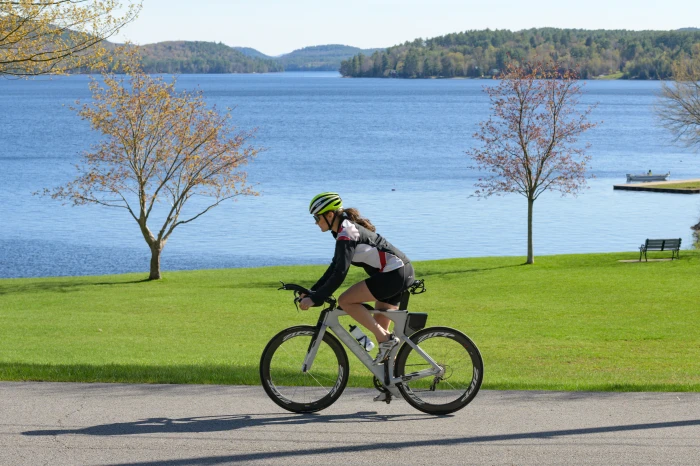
{"x": 315, "y": 342}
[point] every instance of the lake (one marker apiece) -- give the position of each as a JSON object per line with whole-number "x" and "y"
{"x": 393, "y": 148}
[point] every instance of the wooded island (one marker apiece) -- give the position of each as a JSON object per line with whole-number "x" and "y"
{"x": 616, "y": 54}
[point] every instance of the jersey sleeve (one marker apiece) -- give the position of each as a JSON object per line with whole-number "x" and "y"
{"x": 324, "y": 277}
{"x": 345, "y": 245}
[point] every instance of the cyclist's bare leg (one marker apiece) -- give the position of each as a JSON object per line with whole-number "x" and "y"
{"x": 381, "y": 319}
{"x": 351, "y": 302}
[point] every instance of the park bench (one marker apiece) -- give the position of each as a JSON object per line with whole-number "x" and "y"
{"x": 673, "y": 245}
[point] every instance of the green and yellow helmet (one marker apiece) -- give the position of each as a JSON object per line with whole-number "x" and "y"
{"x": 325, "y": 202}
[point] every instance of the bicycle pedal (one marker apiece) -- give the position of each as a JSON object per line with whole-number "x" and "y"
{"x": 383, "y": 396}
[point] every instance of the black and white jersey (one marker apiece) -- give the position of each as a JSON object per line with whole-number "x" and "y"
{"x": 356, "y": 245}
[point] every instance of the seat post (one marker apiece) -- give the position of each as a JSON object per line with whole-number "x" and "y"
{"x": 403, "y": 305}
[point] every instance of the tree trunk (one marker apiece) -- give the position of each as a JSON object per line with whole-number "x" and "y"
{"x": 156, "y": 249}
{"x": 530, "y": 252}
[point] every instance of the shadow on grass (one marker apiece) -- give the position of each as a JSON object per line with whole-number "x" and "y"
{"x": 131, "y": 373}
{"x": 270, "y": 285}
{"x": 422, "y": 274}
{"x": 211, "y": 374}
{"x": 74, "y": 285}
{"x": 221, "y": 374}
{"x": 577, "y": 388}
{"x": 63, "y": 286}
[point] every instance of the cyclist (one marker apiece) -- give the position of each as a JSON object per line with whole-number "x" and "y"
{"x": 357, "y": 243}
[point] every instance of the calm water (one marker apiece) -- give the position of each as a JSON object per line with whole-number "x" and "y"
{"x": 393, "y": 148}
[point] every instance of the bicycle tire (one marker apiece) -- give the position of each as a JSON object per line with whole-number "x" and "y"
{"x": 290, "y": 388}
{"x": 463, "y": 371}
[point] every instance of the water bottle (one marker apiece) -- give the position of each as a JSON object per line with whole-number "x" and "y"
{"x": 361, "y": 338}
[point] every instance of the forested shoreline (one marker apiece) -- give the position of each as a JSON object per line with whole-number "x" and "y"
{"x": 193, "y": 57}
{"x": 202, "y": 57}
{"x": 473, "y": 54}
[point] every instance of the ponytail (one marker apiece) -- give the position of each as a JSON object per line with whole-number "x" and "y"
{"x": 354, "y": 216}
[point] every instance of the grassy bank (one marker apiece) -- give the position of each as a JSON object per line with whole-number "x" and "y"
{"x": 682, "y": 185}
{"x": 574, "y": 322}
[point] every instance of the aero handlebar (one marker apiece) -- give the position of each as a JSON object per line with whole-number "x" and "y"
{"x": 295, "y": 288}
{"x": 299, "y": 290}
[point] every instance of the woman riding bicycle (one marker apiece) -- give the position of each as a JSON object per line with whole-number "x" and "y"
{"x": 357, "y": 243}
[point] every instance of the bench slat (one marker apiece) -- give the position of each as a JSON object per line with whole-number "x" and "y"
{"x": 655, "y": 244}
{"x": 662, "y": 243}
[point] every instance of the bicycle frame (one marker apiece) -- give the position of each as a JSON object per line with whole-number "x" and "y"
{"x": 385, "y": 371}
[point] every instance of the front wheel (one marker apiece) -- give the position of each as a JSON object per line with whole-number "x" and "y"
{"x": 303, "y": 392}
{"x": 462, "y": 371}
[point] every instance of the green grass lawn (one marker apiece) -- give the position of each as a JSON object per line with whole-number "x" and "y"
{"x": 573, "y": 322}
{"x": 682, "y": 185}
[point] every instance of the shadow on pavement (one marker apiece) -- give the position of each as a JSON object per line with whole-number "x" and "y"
{"x": 224, "y": 423}
{"x": 186, "y": 425}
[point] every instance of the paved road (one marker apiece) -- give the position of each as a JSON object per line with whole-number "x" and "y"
{"x": 117, "y": 424}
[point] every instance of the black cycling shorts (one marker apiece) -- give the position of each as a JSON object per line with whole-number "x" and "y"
{"x": 388, "y": 286}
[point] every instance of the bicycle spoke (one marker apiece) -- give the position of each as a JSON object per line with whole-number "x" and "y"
{"x": 319, "y": 383}
{"x": 454, "y": 354}
{"x": 329, "y": 379}
{"x": 299, "y": 391}
{"x": 448, "y": 383}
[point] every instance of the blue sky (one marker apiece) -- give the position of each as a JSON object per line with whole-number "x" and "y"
{"x": 275, "y": 27}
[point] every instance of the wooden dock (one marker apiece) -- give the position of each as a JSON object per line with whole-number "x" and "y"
{"x": 659, "y": 187}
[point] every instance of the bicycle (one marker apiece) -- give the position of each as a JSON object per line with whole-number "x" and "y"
{"x": 437, "y": 370}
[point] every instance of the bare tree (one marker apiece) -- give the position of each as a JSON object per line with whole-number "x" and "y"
{"x": 679, "y": 109}
{"x": 529, "y": 141}
{"x": 159, "y": 144}
{"x": 55, "y": 36}
{"x": 679, "y": 105}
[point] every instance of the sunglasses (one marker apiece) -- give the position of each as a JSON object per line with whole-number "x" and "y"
{"x": 316, "y": 218}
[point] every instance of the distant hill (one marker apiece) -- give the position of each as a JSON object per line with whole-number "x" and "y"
{"x": 202, "y": 57}
{"x": 250, "y": 52}
{"x": 212, "y": 57}
{"x": 320, "y": 57}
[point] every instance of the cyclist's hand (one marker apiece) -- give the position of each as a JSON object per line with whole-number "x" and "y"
{"x": 306, "y": 303}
